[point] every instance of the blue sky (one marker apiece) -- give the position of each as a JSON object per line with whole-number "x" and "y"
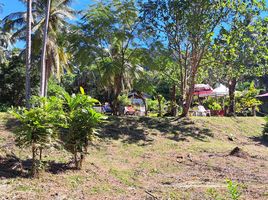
{"x": 15, "y": 5}
{"x": 11, "y": 6}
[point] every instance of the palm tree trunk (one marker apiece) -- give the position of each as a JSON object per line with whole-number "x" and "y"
{"x": 28, "y": 54}
{"x": 43, "y": 58}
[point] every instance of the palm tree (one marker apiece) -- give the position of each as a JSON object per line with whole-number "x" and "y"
{"x": 43, "y": 84}
{"x": 28, "y": 54}
{"x": 60, "y": 11}
{"x": 5, "y": 40}
{"x": 107, "y": 37}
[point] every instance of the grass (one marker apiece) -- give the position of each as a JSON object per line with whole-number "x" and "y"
{"x": 137, "y": 158}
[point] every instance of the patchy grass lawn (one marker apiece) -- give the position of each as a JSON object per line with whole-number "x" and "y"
{"x": 146, "y": 158}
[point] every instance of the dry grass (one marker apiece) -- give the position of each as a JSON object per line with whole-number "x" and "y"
{"x": 147, "y": 158}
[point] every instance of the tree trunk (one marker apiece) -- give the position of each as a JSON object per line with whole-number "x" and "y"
{"x": 43, "y": 57}
{"x": 145, "y": 106}
{"x": 76, "y": 160}
{"x": 34, "y": 165}
{"x": 173, "y": 101}
{"x": 40, "y": 153}
{"x": 159, "y": 98}
{"x": 254, "y": 111}
{"x": 232, "y": 84}
{"x": 116, "y": 92}
{"x": 189, "y": 95}
{"x": 28, "y": 54}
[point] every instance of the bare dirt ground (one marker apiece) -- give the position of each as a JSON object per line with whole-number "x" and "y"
{"x": 146, "y": 158}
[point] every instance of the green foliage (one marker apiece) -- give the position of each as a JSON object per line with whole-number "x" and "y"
{"x": 124, "y": 100}
{"x": 212, "y": 104}
{"x": 152, "y": 105}
{"x": 108, "y": 38}
{"x": 247, "y": 103}
{"x": 213, "y": 194}
{"x": 215, "y": 106}
{"x": 233, "y": 192}
{"x": 12, "y": 81}
{"x": 54, "y": 89}
{"x": 233, "y": 189}
{"x": 4, "y": 107}
{"x": 78, "y": 124}
{"x": 37, "y": 126}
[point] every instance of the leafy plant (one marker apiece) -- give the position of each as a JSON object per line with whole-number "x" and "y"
{"x": 152, "y": 105}
{"x": 215, "y": 106}
{"x": 213, "y": 194}
{"x": 4, "y": 107}
{"x": 36, "y": 128}
{"x": 80, "y": 121}
{"x": 246, "y": 102}
{"x": 124, "y": 100}
{"x": 233, "y": 190}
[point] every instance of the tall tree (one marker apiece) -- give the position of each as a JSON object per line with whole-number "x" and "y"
{"x": 43, "y": 84}
{"x": 108, "y": 37}
{"x": 242, "y": 50}
{"x": 28, "y": 54}
{"x": 186, "y": 28}
{"x": 60, "y": 12}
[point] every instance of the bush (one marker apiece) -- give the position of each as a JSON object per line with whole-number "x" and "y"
{"x": 124, "y": 100}
{"x": 246, "y": 102}
{"x": 36, "y": 128}
{"x": 212, "y": 104}
{"x": 80, "y": 121}
{"x": 215, "y": 106}
{"x": 4, "y": 107}
{"x": 152, "y": 105}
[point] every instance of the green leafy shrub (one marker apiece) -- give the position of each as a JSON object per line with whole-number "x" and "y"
{"x": 124, "y": 100}
{"x": 215, "y": 106}
{"x": 246, "y": 101}
{"x": 233, "y": 189}
{"x": 212, "y": 104}
{"x": 36, "y": 128}
{"x": 152, "y": 105}
{"x": 80, "y": 121}
{"x": 4, "y": 107}
{"x": 233, "y": 192}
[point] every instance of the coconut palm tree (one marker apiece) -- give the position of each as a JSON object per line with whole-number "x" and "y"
{"x": 5, "y": 42}
{"x": 28, "y": 54}
{"x": 60, "y": 12}
{"x": 43, "y": 84}
{"x": 108, "y": 39}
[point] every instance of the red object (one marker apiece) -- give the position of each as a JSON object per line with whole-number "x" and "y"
{"x": 203, "y": 92}
{"x": 202, "y": 89}
{"x": 221, "y": 113}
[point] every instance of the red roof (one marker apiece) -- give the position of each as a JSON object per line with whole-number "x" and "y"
{"x": 203, "y": 92}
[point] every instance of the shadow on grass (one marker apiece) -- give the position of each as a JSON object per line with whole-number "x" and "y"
{"x": 13, "y": 167}
{"x": 262, "y": 140}
{"x": 136, "y": 129}
{"x": 57, "y": 168}
{"x": 11, "y": 124}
